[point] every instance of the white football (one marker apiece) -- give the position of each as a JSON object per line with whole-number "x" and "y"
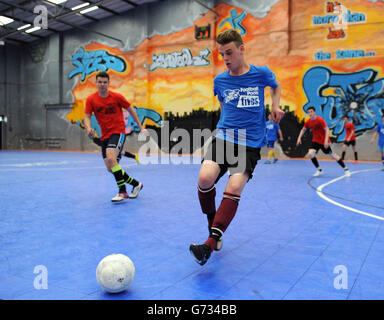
{"x": 115, "y": 272}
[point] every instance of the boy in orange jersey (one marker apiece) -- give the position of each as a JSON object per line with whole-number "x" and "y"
{"x": 350, "y": 138}
{"x": 320, "y": 141}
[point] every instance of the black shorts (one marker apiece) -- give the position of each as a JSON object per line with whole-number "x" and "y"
{"x": 233, "y": 157}
{"x": 350, "y": 143}
{"x": 115, "y": 141}
{"x": 318, "y": 146}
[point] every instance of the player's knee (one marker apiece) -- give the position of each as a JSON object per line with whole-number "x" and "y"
{"x": 311, "y": 153}
{"x": 234, "y": 189}
{"x": 236, "y": 184}
{"x": 208, "y": 174}
{"x": 206, "y": 180}
{"x": 110, "y": 162}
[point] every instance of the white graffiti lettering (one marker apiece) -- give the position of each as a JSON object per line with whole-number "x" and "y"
{"x": 180, "y": 59}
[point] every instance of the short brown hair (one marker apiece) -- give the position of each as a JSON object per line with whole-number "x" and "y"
{"x": 228, "y": 36}
{"x": 311, "y": 107}
{"x": 102, "y": 74}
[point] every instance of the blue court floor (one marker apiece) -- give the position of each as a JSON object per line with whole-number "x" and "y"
{"x": 287, "y": 240}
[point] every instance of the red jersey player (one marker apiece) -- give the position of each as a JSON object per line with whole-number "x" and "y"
{"x": 107, "y": 107}
{"x": 320, "y": 140}
{"x": 350, "y": 138}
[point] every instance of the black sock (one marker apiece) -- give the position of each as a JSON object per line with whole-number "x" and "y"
{"x": 341, "y": 163}
{"x": 343, "y": 155}
{"x": 130, "y": 180}
{"x": 97, "y": 141}
{"x": 315, "y": 162}
{"x": 118, "y": 173}
{"x": 129, "y": 155}
{"x": 356, "y": 156}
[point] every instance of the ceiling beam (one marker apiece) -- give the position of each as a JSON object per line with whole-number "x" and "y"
{"x": 131, "y": 3}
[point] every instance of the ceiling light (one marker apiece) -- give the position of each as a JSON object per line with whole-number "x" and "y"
{"x": 89, "y": 9}
{"x": 32, "y": 29}
{"x": 23, "y": 27}
{"x": 80, "y": 6}
{"x": 5, "y": 20}
{"x": 56, "y": 1}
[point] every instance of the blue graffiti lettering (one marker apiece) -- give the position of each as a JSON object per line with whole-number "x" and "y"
{"x": 354, "y": 17}
{"x": 325, "y": 19}
{"x": 88, "y": 62}
{"x": 235, "y": 20}
{"x": 359, "y": 95}
{"x": 142, "y": 114}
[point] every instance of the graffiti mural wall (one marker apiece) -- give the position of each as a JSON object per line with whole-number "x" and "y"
{"x": 328, "y": 54}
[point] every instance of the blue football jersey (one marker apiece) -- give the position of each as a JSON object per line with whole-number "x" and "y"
{"x": 380, "y": 130}
{"x": 242, "y": 118}
{"x": 271, "y": 130}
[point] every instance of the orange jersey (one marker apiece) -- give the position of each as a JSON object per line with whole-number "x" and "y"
{"x": 318, "y": 129}
{"x": 108, "y": 112}
{"x": 349, "y": 129}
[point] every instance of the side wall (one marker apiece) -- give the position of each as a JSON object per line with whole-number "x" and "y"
{"x": 324, "y": 53}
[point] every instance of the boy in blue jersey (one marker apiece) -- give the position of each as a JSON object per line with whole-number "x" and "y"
{"x": 272, "y": 130}
{"x": 240, "y": 130}
{"x": 380, "y": 132}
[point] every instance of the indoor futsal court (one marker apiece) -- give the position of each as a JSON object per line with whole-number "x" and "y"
{"x": 287, "y": 246}
{"x": 113, "y": 118}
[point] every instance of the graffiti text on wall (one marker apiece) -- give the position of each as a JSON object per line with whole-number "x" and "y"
{"x": 180, "y": 59}
{"x": 343, "y": 54}
{"x": 88, "y": 62}
{"x": 358, "y": 95}
{"x": 338, "y": 17}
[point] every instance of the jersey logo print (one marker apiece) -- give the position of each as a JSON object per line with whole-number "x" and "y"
{"x": 247, "y": 97}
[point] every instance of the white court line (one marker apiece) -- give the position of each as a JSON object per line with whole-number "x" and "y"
{"x": 59, "y": 169}
{"x": 52, "y": 169}
{"x": 320, "y": 188}
{"x": 41, "y": 164}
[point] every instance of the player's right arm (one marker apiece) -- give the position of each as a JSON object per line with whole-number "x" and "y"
{"x": 87, "y": 117}
{"x": 300, "y": 135}
{"x": 87, "y": 124}
{"x": 374, "y": 136}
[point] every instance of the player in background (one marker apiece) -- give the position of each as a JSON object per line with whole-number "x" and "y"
{"x": 107, "y": 106}
{"x": 320, "y": 141}
{"x": 272, "y": 130}
{"x": 380, "y": 143}
{"x": 350, "y": 138}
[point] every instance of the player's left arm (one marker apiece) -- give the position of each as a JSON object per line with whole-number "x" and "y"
{"x": 133, "y": 113}
{"x": 326, "y": 143}
{"x": 281, "y": 135}
{"x": 277, "y": 113}
{"x": 124, "y": 104}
